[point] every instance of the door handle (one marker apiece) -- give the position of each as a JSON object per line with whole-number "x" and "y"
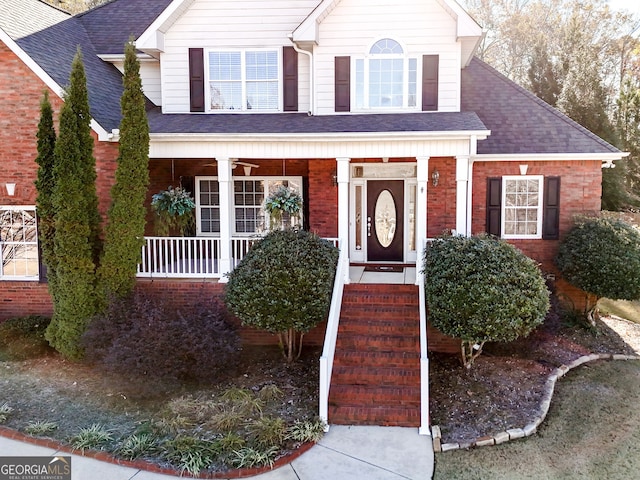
{"x": 368, "y": 226}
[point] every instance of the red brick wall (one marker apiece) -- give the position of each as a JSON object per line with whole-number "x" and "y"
{"x": 24, "y": 298}
{"x": 580, "y": 190}
{"x": 323, "y": 194}
{"x": 180, "y": 293}
{"x": 441, "y": 199}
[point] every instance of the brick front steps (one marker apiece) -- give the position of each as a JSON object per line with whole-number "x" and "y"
{"x": 376, "y": 372}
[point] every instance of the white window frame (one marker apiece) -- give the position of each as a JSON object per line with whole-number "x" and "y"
{"x": 243, "y": 80}
{"x": 268, "y": 181}
{"x": 33, "y": 244}
{"x": 539, "y": 208}
{"x": 366, "y": 61}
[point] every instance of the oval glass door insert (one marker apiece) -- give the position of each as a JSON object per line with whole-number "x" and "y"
{"x": 386, "y": 218}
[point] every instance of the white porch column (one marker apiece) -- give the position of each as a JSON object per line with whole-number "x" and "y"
{"x": 342, "y": 171}
{"x": 422, "y": 175}
{"x": 463, "y": 226}
{"x": 224, "y": 182}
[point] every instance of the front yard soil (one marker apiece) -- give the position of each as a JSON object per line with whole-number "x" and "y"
{"x": 77, "y": 396}
{"x": 504, "y": 388}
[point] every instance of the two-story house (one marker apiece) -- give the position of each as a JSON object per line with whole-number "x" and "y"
{"x": 377, "y": 113}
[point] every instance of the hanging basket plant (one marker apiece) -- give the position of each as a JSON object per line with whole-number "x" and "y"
{"x": 282, "y": 201}
{"x": 174, "y": 208}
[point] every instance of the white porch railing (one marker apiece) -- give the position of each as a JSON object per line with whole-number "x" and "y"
{"x": 331, "y": 334}
{"x": 180, "y": 257}
{"x": 191, "y": 257}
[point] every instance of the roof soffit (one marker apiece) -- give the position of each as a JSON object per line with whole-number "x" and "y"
{"x": 152, "y": 39}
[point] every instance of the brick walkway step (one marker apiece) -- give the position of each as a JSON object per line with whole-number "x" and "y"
{"x": 376, "y": 373}
{"x": 383, "y": 375}
{"x": 375, "y": 415}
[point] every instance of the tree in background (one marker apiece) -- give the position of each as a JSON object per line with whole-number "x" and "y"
{"x": 573, "y": 54}
{"x": 602, "y": 257}
{"x": 45, "y": 185}
{"x": 76, "y": 219}
{"x": 124, "y": 235}
{"x": 482, "y": 289}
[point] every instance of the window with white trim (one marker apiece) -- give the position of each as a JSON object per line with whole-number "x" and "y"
{"x": 522, "y": 204}
{"x": 386, "y": 78}
{"x": 249, "y": 194}
{"x": 242, "y": 80}
{"x": 18, "y": 243}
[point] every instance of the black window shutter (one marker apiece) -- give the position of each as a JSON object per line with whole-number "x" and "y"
{"x": 430, "y": 82}
{"x": 290, "y": 79}
{"x": 343, "y": 84}
{"x": 551, "y": 211}
{"x": 494, "y": 206}
{"x": 196, "y": 79}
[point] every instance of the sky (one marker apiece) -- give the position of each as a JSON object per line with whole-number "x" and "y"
{"x": 631, "y": 5}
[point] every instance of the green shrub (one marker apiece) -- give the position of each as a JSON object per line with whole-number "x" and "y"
{"x": 248, "y": 457}
{"x": 602, "y": 257}
{"x": 284, "y": 285}
{"x": 266, "y": 432}
{"x": 40, "y": 427}
{"x": 137, "y": 445}
{"x": 307, "y": 430}
{"x": 5, "y": 411}
{"x": 190, "y": 454}
{"x": 140, "y": 336}
{"x": 95, "y": 437}
{"x": 481, "y": 289}
{"x": 24, "y": 337}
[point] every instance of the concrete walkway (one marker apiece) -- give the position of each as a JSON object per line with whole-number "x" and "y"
{"x": 345, "y": 453}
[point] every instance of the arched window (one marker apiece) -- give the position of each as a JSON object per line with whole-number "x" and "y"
{"x": 386, "y": 77}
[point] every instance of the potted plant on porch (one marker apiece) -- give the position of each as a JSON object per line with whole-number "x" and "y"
{"x": 174, "y": 208}
{"x": 282, "y": 201}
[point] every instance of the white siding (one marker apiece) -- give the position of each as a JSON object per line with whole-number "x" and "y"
{"x": 234, "y": 24}
{"x": 150, "y": 76}
{"x": 422, "y": 27}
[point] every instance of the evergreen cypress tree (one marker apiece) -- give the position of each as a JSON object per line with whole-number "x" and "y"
{"x": 44, "y": 185}
{"x": 76, "y": 219}
{"x": 125, "y": 230}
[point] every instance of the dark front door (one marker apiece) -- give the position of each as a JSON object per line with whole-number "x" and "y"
{"x": 385, "y": 219}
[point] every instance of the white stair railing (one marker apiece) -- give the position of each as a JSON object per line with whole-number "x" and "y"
{"x": 331, "y": 334}
{"x": 424, "y": 359}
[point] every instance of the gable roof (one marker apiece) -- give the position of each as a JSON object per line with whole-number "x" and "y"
{"x": 520, "y": 122}
{"x": 131, "y": 17}
{"x": 51, "y": 38}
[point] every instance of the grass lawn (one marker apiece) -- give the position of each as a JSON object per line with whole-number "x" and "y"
{"x": 592, "y": 432}
{"x": 621, "y": 308}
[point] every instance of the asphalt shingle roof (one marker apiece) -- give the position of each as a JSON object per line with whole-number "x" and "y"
{"x": 110, "y": 25}
{"x": 301, "y": 123}
{"x": 519, "y": 121}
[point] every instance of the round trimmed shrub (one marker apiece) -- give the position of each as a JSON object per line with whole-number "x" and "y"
{"x": 284, "y": 285}
{"x": 481, "y": 289}
{"x": 602, "y": 257}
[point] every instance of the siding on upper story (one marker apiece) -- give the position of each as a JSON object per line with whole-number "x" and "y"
{"x": 422, "y": 28}
{"x": 150, "y": 78}
{"x": 236, "y": 24}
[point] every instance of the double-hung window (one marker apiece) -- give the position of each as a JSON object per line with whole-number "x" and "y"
{"x": 522, "y": 205}
{"x": 248, "y": 214}
{"x": 386, "y": 78}
{"x": 242, "y": 80}
{"x": 18, "y": 243}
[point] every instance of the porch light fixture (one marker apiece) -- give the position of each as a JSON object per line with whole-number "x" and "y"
{"x": 334, "y": 178}
{"x": 435, "y": 177}
{"x": 11, "y": 189}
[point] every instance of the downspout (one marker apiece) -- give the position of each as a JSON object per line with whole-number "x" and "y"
{"x": 312, "y": 97}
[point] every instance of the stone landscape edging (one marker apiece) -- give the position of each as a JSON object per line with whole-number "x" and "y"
{"x": 531, "y": 428}
{"x": 104, "y": 456}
